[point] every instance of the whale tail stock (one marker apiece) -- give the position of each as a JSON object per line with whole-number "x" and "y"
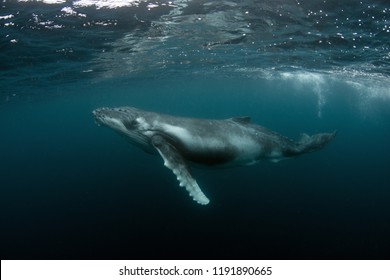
{"x": 308, "y": 144}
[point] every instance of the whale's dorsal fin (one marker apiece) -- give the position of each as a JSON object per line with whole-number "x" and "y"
{"x": 242, "y": 120}
{"x": 174, "y": 161}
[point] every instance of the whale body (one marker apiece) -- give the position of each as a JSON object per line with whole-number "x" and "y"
{"x": 183, "y": 141}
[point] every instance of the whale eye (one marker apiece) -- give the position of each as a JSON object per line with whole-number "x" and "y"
{"x": 131, "y": 124}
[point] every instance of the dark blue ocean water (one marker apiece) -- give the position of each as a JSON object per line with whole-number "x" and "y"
{"x": 72, "y": 190}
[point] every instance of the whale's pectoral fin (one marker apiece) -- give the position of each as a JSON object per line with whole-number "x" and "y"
{"x": 174, "y": 161}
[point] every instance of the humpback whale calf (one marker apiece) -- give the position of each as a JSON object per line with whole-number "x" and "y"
{"x": 221, "y": 143}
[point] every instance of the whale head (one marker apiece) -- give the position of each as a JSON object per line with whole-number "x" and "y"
{"x": 127, "y": 121}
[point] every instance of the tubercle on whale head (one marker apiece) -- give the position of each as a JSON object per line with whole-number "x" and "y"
{"x": 106, "y": 116}
{"x": 116, "y": 118}
{"x": 126, "y": 121}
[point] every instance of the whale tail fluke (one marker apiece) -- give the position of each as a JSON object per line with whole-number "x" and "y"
{"x": 308, "y": 144}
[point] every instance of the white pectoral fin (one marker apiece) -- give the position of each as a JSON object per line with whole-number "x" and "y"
{"x": 174, "y": 161}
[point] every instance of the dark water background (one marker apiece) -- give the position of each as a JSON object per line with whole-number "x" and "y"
{"x": 72, "y": 190}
